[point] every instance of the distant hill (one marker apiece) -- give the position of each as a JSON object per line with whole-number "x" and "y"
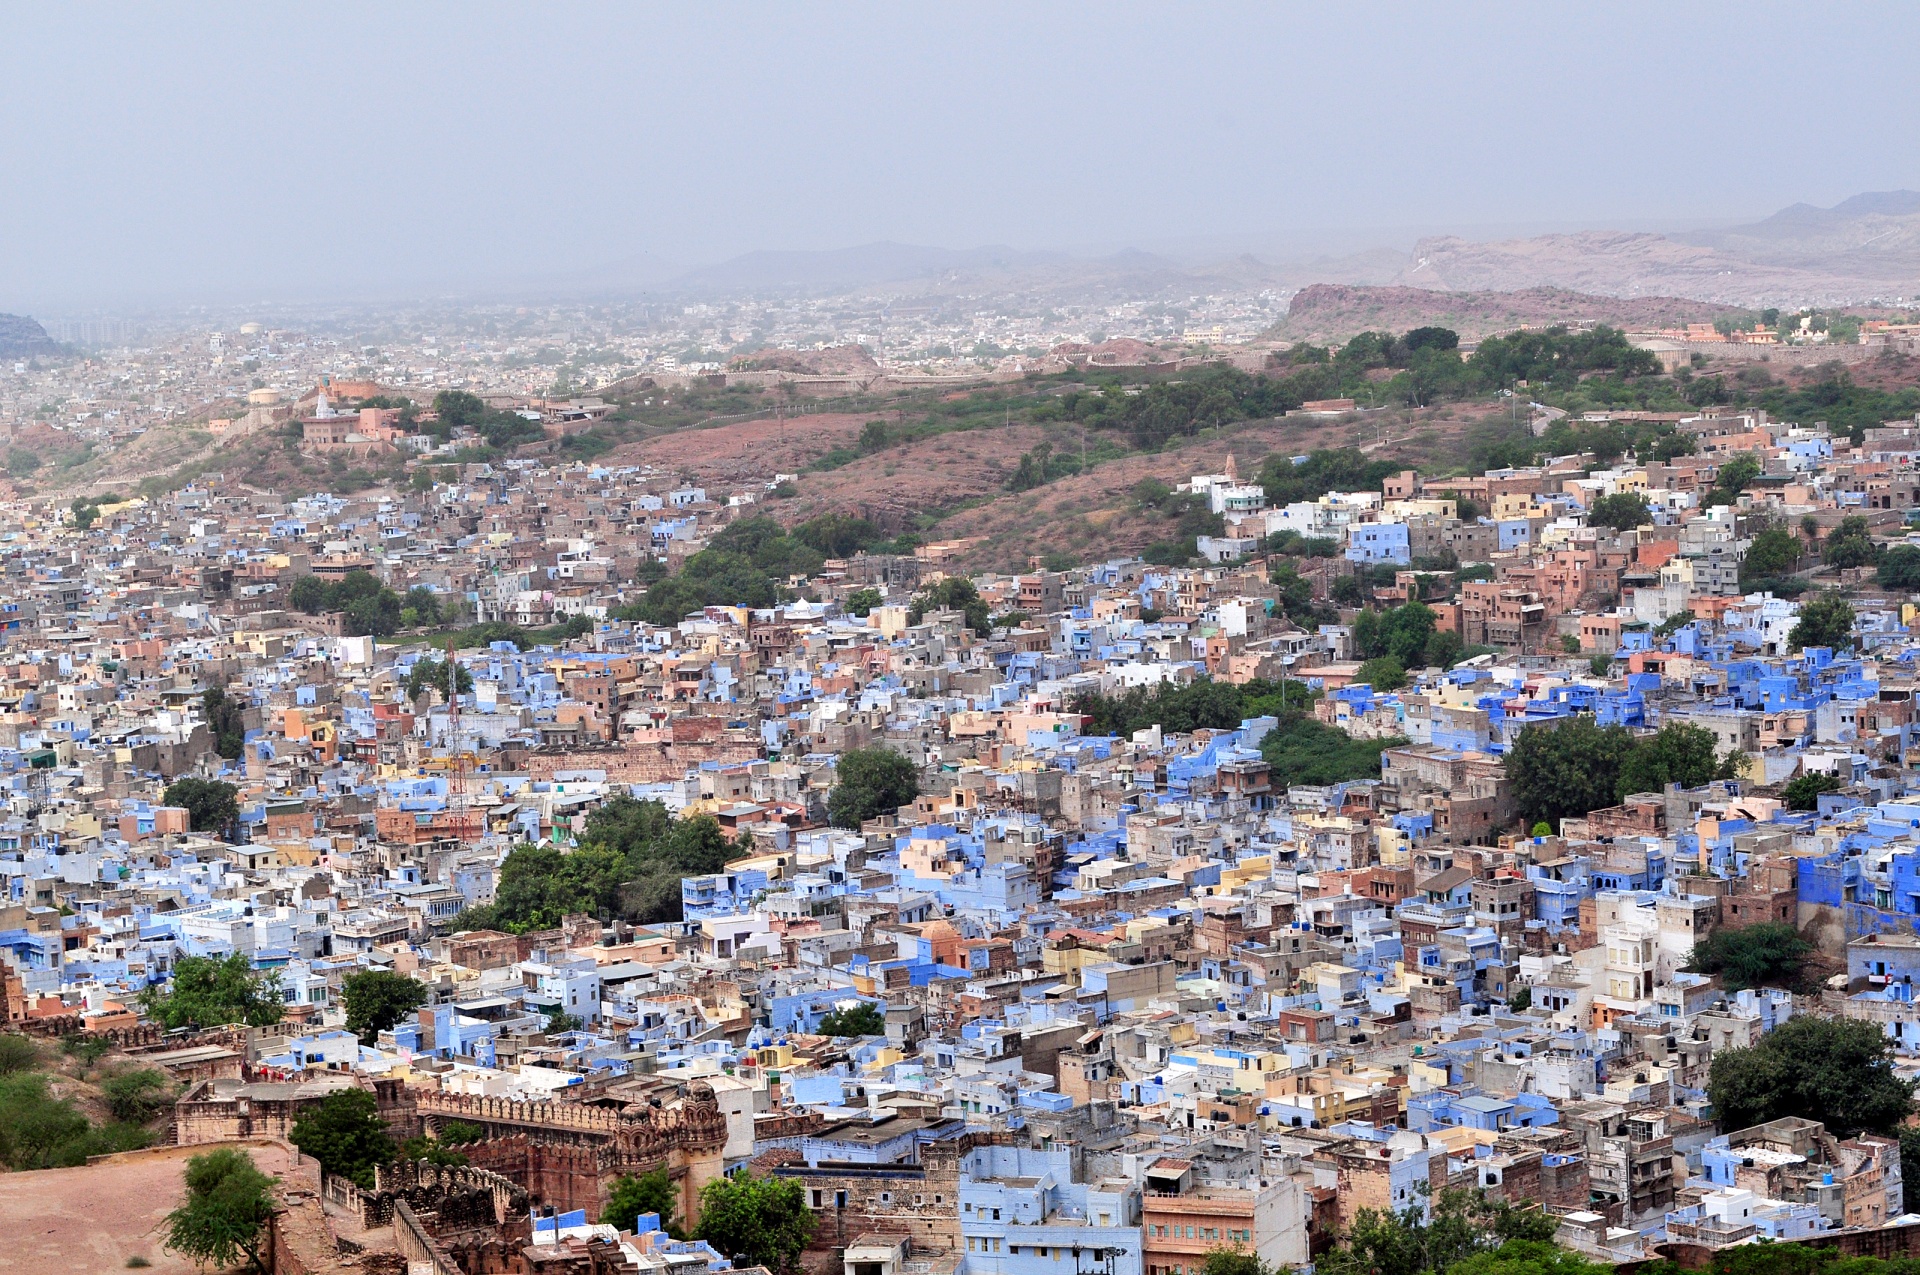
{"x": 1871, "y": 234}
{"x": 21, "y": 337}
{"x": 1862, "y": 249}
{"x": 842, "y": 269}
{"x": 1331, "y": 312}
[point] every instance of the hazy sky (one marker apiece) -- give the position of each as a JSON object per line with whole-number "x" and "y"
{"x": 175, "y": 153}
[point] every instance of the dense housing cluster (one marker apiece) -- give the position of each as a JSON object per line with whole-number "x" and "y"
{"x": 1398, "y": 837}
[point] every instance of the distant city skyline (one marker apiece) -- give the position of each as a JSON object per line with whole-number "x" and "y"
{"x": 231, "y": 152}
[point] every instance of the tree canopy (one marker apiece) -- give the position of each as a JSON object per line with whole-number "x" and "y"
{"x": 41, "y": 1131}
{"x": 869, "y": 782}
{"x": 634, "y": 1195}
{"x": 1678, "y": 753}
{"x": 459, "y": 410}
{"x": 370, "y": 607}
{"x": 955, "y": 593}
{"x": 345, "y": 1133}
{"x": 747, "y": 564}
{"x": 631, "y": 857}
{"x": 1732, "y": 479}
{"x": 1568, "y": 769}
{"x": 1299, "y": 750}
{"x": 377, "y": 999}
{"x": 1773, "y": 553}
{"x": 1900, "y": 568}
{"x": 1575, "y": 767}
{"x": 1622, "y": 511}
{"x": 1838, "y": 1071}
{"x": 1826, "y": 620}
{"x": 855, "y": 1020}
{"x": 764, "y": 1219}
{"x": 209, "y": 991}
{"x": 1802, "y": 792}
{"x": 448, "y": 677}
{"x": 224, "y": 1217}
{"x": 212, "y": 805}
{"x": 1406, "y": 633}
{"x": 1851, "y": 544}
{"x": 224, "y": 719}
{"x": 1771, "y": 954}
{"x": 1464, "y": 1227}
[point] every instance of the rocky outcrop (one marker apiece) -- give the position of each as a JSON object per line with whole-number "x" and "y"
{"x": 21, "y": 337}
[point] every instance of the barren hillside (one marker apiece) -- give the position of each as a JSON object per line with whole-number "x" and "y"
{"x": 1329, "y": 313}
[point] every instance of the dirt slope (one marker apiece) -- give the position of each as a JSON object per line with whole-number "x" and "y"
{"x": 1329, "y": 313}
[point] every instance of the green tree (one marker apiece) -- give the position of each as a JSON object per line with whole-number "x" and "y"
{"x": 1622, "y": 511}
{"x": 766, "y": 1220}
{"x": 1826, "y": 620}
{"x": 137, "y": 1095}
{"x": 1232, "y": 1261}
{"x": 1851, "y": 544}
{"x": 955, "y": 593}
{"x": 633, "y": 1196}
{"x": 17, "y": 1053}
{"x": 208, "y": 991}
{"x": 837, "y": 535}
{"x": 345, "y": 1133}
{"x": 458, "y": 410}
{"x": 861, "y": 602}
{"x": 37, "y": 1130}
{"x": 1770, "y": 954}
{"x": 377, "y": 999}
{"x": 541, "y": 885}
{"x": 308, "y": 595}
{"x": 1679, "y": 754}
{"x": 421, "y": 608}
{"x": 1838, "y": 1071}
{"x": 1464, "y": 1227}
{"x": 1295, "y": 595}
{"x": 1383, "y": 673}
{"x": 1900, "y": 568}
{"x": 869, "y": 782}
{"x": 369, "y": 606}
{"x": 1572, "y": 768}
{"x": 211, "y": 805}
{"x": 84, "y": 512}
{"x": 224, "y": 718}
{"x": 433, "y": 1150}
{"x": 855, "y": 1020}
{"x": 1910, "y": 1166}
{"x": 429, "y": 673}
{"x": 1672, "y": 624}
{"x": 1732, "y": 479}
{"x": 1772, "y": 553}
{"x": 461, "y": 1133}
{"x": 224, "y": 1217}
{"x": 1301, "y": 750}
{"x": 1802, "y": 792}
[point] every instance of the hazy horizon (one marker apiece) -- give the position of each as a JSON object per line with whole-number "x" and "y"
{"x": 156, "y": 159}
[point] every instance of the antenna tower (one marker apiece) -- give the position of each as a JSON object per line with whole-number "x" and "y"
{"x": 457, "y": 759}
